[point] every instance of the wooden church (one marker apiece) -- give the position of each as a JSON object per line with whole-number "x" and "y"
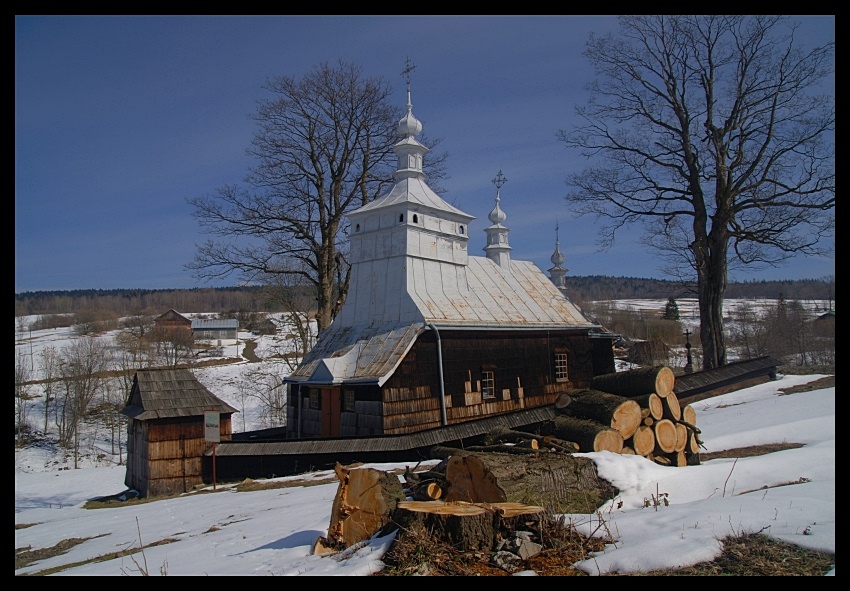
{"x": 430, "y": 336}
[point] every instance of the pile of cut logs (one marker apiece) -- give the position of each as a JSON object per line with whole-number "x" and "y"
{"x": 630, "y": 412}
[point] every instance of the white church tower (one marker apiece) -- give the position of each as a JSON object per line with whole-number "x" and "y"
{"x": 404, "y": 242}
{"x": 498, "y": 250}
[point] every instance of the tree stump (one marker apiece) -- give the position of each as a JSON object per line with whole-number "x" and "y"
{"x": 464, "y": 526}
{"x": 364, "y": 503}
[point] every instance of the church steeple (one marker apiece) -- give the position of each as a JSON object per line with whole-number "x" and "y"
{"x": 498, "y": 250}
{"x": 408, "y": 150}
{"x": 558, "y": 273}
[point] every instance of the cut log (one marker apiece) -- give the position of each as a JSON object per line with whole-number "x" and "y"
{"x": 627, "y": 451}
{"x": 689, "y": 415}
{"x": 563, "y": 483}
{"x": 693, "y": 443}
{"x": 559, "y": 444}
{"x": 523, "y": 448}
{"x": 529, "y": 440}
{"x": 651, "y": 403}
{"x": 618, "y": 412}
{"x": 643, "y": 441}
{"x": 590, "y": 435}
{"x": 672, "y": 410}
{"x": 364, "y": 502}
{"x": 563, "y": 401}
{"x": 468, "y": 479}
{"x": 665, "y": 436}
{"x": 430, "y": 491}
{"x": 648, "y": 421}
{"x": 636, "y": 382}
{"x": 682, "y": 436}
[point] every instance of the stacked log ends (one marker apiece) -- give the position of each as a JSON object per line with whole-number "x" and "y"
{"x": 642, "y": 406}
{"x": 665, "y": 436}
{"x": 652, "y": 404}
{"x": 672, "y": 409}
{"x": 643, "y": 441}
{"x": 636, "y": 382}
{"x": 689, "y": 415}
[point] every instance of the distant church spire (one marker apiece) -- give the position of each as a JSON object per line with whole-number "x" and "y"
{"x": 498, "y": 250}
{"x": 558, "y": 273}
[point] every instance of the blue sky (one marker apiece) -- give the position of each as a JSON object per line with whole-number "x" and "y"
{"x": 119, "y": 119}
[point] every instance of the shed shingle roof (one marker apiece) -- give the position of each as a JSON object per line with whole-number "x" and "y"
{"x": 171, "y": 393}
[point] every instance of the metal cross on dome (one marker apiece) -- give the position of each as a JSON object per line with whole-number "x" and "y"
{"x": 499, "y": 181}
{"x": 408, "y": 68}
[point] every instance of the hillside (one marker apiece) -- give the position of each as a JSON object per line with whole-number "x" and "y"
{"x": 124, "y": 302}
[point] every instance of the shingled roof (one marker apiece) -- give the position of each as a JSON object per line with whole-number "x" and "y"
{"x": 168, "y": 393}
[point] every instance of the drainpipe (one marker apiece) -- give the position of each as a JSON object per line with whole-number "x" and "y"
{"x": 299, "y": 402}
{"x": 444, "y": 421}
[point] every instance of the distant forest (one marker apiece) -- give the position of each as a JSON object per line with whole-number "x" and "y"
{"x": 257, "y": 299}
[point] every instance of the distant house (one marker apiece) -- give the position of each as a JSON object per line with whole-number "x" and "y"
{"x": 165, "y": 433}
{"x": 172, "y": 320}
{"x": 430, "y": 336}
{"x": 216, "y": 332}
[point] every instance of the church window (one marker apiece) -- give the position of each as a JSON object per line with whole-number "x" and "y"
{"x": 401, "y": 217}
{"x": 415, "y": 219}
{"x": 488, "y": 381}
{"x": 561, "y": 373}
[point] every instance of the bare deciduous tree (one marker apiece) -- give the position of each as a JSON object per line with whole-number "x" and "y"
{"x": 82, "y": 369}
{"x": 49, "y": 363}
{"x": 23, "y": 395}
{"x": 710, "y": 131}
{"x": 323, "y": 148}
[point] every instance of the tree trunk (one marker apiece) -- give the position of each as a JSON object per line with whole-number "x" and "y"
{"x": 620, "y": 413}
{"x": 711, "y": 290}
{"x": 562, "y": 483}
{"x": 636, "y": 382}
{"x": 590, "y": 435}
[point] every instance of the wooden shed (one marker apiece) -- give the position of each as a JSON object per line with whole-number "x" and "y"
{"x": 173, "y": 320}
{"x": 165, "y": 433}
